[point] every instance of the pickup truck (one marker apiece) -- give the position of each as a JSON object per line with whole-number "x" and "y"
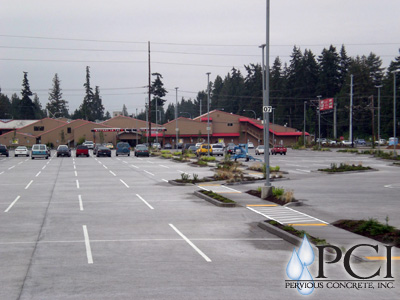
{"x": 278, "y": 149}
{"x": 82, "y": 150}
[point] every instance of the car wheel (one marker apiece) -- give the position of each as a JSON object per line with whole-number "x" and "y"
{"x": 15, "y": 155}
{"x": 129, "y": 155}
{"x": 87, "y": 155}
{"x": 109, "y": 155}
{"x": 47, "y": 157}
{"x": 284, "y": 153}
{"x": 33, "y": 158}
{"x": 27, "y": 155}
{"x": 116, "y": 154}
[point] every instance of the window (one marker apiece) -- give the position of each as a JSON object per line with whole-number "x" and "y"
{"x": 230, "y": 124}
{"x": 69, "y": 130}
{"x": 38, "y": 128}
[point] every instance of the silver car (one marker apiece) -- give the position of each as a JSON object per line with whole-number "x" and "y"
{"x": 217, "y": 149}
{"x": 260, "y": 149}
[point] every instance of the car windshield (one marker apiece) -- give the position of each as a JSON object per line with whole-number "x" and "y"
{"x": 62, "y": 147}
{"x": 141, "y": 147}
{"x": 81, "y": 147}
{"x": 261, "y": 147}
{"x": 217, "y": 146}
{"x": 21, "y": 148}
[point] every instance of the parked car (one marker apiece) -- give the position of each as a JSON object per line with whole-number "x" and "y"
{"x": 217, "y": 149}
{"x": 360, "y": 142}
{"x": 393, "y": 141}
{"x": 278, "y": 149}
{"x": 82, "y": 150}
{"x": 156, "y": 146}
{"x": 250, "y": 145}
{"x": 332, "y": 142}
{"x": 88, "y": 144}
{"x": 230, "y": 149}
{"x": 142, "y": 150}
{"x": 346, "y": 143}
{"x": 39, "y": 151}
{"x": 198, "y": 144}
{"x": 193, "y": 149}
{"x": 103, "y": 151}
{"x": 123, "y": 149}
{"x": 260, "y": 150}
{"x": 21, "y": 150}
{"x": 381, "y": 142}
{"x": 204, "y": 149}
{"x": 110, "y": 146}
{"x": 4, "y": 150}
{"x": 179, "y": 146}
{"x": 167, "y": 146}
{"x": 187, "y": 145}
{"x": 63, "y": 150}
{"x": 96, "y": 147}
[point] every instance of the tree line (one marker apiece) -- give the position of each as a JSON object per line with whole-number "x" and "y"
{"x": 293, "y": 85}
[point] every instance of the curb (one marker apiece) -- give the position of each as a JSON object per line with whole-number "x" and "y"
{"x": 213, "y": 201}
{"x": 297, "y": 241}
{"x": 173, "y": 182}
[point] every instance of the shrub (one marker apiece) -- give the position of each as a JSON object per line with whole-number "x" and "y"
{"x": 277, "y": 192}
{"x": 166, "y": 155}
{"x": 185, "y": 177}
{"x": 165, "y": 152}
{"x": 208, "y": 158}
{"x": 373, "y": 227}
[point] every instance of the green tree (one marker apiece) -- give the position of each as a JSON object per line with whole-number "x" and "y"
{"x": 159, "y": 92}
{"x": 27, "y": 107}
{"x": 5, "y": 107}
{"x": 97, "y": 108}
{"x": 57, "y": 106}
{"x": 15, "y": 106}
{"x": 39, "y": 112}
{"x": 125, "y": 111}
{"x": 86, "y": 105}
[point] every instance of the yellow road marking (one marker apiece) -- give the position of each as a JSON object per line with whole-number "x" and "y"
{"x": 262, "y": 205}
{"x": 381, "y": 257}
{"x": 311, "y": 224}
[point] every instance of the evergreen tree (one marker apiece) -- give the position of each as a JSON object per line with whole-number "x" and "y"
{"x": 15, "y": 106}
{"x": 125, "y": 111}
{"x": 329, "y": 73}
{"x": 86, "y": 105}
{"x": 5, "y": 107}
{"x": 57, "y": 106}
{"x": 216, "y": 93}
{"x": 170, "y": 112}
{"x": 39, "y": 112}
{"x": 158, "y": 91}
{"x": 97, "y": 109}
{"x": 107, "y": 115}
{"x": 27, "y": 107}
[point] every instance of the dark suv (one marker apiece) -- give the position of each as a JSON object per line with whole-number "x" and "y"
{"x": 4, "y": 150}
{"x": 123, "y": 149}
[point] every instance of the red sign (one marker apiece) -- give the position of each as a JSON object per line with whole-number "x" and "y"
{"x": 326, "y": 104}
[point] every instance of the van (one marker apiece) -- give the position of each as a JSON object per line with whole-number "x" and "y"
{"x": 39, "y": 151}
{"x": 123, "y": 149}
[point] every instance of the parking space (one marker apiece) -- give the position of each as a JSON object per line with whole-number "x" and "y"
{"x": 107, "y": 227}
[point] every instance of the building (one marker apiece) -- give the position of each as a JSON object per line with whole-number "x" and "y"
{"x": 224, "y": 128}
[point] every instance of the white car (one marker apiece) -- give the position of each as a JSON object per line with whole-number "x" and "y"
{"x": 250, "y": 145}
{"x": 21, "y": 150}
{"x": 381, "y": 142}
{"x": 346, "y": 143}
{"x": 333, "y": 142}
{"x": 260, "y": 150}
{"x": 157, "y": 146}
{"x": 89, "y": 144}
{"x": 217, "y": 149}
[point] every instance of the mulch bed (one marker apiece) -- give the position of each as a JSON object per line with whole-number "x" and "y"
{"x": 270, "y": 198}
{"x": 392, "y": 238}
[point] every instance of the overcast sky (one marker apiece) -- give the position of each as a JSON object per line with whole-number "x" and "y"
{"x": 188, "y": 39}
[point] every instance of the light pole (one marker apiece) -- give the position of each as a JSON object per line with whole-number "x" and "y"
{"x": 208, "y": 112}
{"x": 379, "y": 116}
{"x": 255, "y": 115}
{"x": 136, "y": 129}
{"x": 319, "y": 122}
{"x": 394, "y": 112}
{"x": 176, "y": 117}
{"x": 304, "y": 129}
{"x": 273, "y": 123}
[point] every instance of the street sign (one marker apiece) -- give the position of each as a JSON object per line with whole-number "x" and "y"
{"x": 326, "y": 104}
{"x": 267, "y": 109}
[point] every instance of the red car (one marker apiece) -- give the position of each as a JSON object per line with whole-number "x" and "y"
{"x": 82, "y": 150}
{"x": 278, "y": 149}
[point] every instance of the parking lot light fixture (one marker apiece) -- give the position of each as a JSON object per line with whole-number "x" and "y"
{"x": 176, "y": 118}
{"x": 255, "y": 115}
{"x": 379, "y": 116}
{"x": 208, "y": 112}
{"x": 319, "y": 122}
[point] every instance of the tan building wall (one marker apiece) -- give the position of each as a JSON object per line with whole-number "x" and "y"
{"x": 41, "y": 126}
{"x": 126, "y": 122}
{"x": 14, "y": 139}
{"x": 62, "y": 135}
{"x": 85, "y": 132}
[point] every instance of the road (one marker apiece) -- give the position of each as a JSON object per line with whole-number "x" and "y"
{"x": 113, "y": 228}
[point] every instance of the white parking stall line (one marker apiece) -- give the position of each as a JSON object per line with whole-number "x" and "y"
{"x": 11, "y": 167}
{"x": 38, "y": 173}
{"x": 80, "y": 203}
{"x": 165, "y": 180}
{"x": 74, "y": 167}
{"x": 322, "y": 165}
{"x": 29, "y": 184}
{"x": 150, "y": 162}
{"x": 113, "y": 173}
{"x": 285, "y": 215}
{"x": 203, "y": 188}
{"x": 135, "y": 166}
{"x": 118, "y": 159}
{"x": 231, "y": 189}
{"x": 306, "y": 171}
{"x": 294, "y": 165}
{"x": 87, "y": 244}
{"x": 124, "y": 161}
{"x": 149, "y": 173}
{"x": 99, "y": 162}
{"x": 105, "y": 167}
{"x": 207, "y": 259}
{"x": 295, "y": 172}
{"x": 124, "y": 183}
{"x": 164, "y": 166}
{"x": 12, "y": 204}
{"x": 77, "y": 184}
{"x": 44, "y": 167}
{"x": 145, "y": 202}
{"x": 140, "y": 158}
{"x": 1, "y": 172}
{"x": 47, "y": 162}
{"x": 20, "y": 162}
{"x": 76, "y": 174}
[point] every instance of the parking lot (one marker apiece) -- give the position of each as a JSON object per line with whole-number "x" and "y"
{"x": 114, "y": 228}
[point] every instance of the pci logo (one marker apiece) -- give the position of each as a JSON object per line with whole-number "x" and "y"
{"x": 302, "y": 280}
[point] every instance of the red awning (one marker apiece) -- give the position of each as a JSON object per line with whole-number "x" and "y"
{"x": 205, "y": 119}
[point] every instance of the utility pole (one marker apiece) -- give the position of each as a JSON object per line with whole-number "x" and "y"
{"x": 149, "y": 107}
{"x": 394, "y": 113}
{"x": 176, "y": 118}
{"x": 136, "y": 129}
{"x": 373, "y": 121}
{"x": 147, "y": 122}
{"x": 379, "y": 116}
{"x": 334, "y": 120}
{"x": 319, "y": 122}
{"x": 351, "y": 111}
{"x": 208, "y": 113}
{"x": 304, "y": 128}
